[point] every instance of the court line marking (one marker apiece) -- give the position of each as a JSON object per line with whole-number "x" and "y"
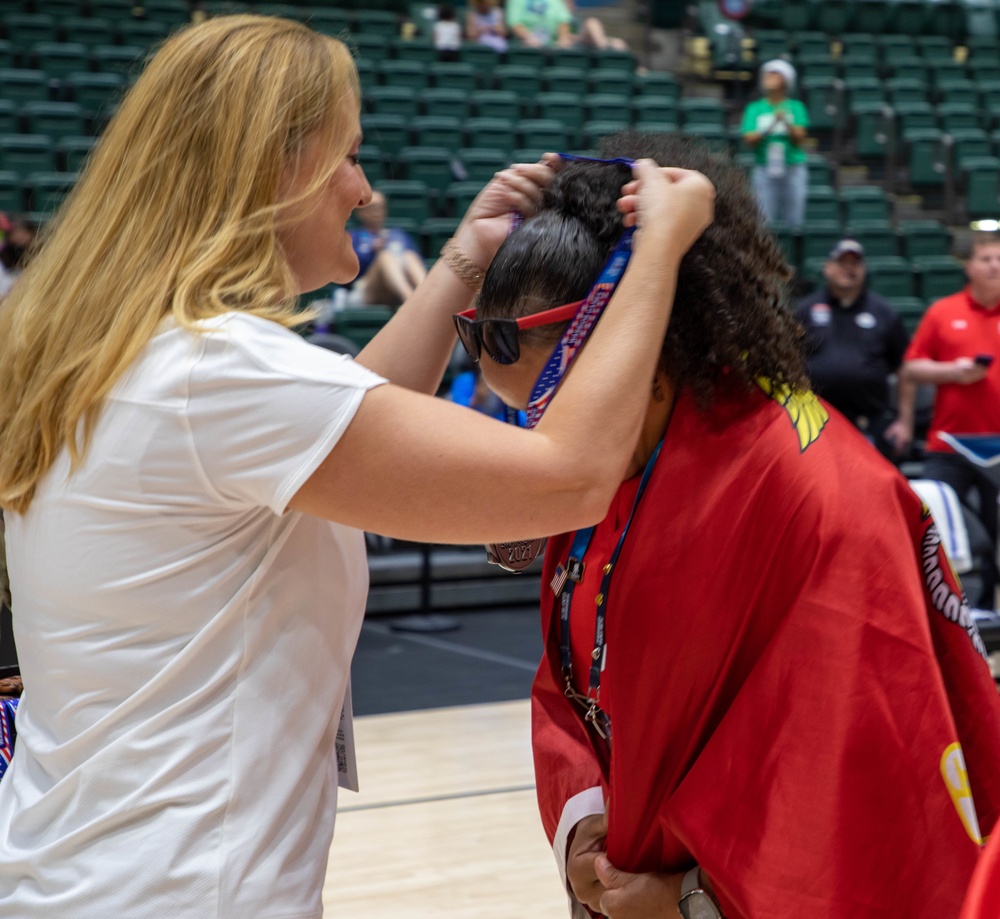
{"x": 442, "y": 645}
{"x": 430, "y": 799}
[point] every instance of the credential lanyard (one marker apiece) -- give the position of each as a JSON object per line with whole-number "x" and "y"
{"x": 563, "y": 583}
{"x": 579, "y": 329}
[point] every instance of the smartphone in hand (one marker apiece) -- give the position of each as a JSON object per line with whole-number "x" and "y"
{"x": 984, "y": 360}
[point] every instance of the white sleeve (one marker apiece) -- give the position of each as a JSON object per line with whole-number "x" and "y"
{"x": 586, "y": 803}
{"x": 265, "y": 408}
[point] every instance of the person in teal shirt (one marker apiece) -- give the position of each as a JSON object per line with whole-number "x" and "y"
{"x": 774, "y": 127}
{"x": 541, "y": 23}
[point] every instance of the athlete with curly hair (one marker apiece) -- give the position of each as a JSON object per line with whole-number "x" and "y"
{"x": 760, "y": 673}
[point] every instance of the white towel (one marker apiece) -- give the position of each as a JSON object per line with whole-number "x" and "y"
{"x": 946, "y": 510}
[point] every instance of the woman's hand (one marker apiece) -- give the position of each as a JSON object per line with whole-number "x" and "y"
{"x": 486, "y": 223}
{"x": 587, "y": 843}
{"x": 651, "y": 895}
{"x": 676, "y": 204}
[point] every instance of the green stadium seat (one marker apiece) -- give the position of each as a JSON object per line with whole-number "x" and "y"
{"x": 407, "y": 199}
{"x": 361, "y": 324}
{"x": 527, "y": 154}
{"x": 127, "y": 60}
{"x": 10, "y": 119}
{"x": 454, "y": 75}
{"x": 983, "y": 45}
{"x": 811, "y": 269}
{"x": 907, "y": 89}
{"x": 225, "y": 7}
{"x": 564, "y": 80}
{"x": 491, "y": 134}
{"x": 24, "y": 85}
{"x": 910, "y": 310}
{"x": 72, "y": 152}
{"x": 927, "y": 157}
{"x": 367, "y": 73}
{"x": 335, "y": 23}
{"x": 26, "y": 29}
{"x": 373, "y": 161}
{"x": 955, "y": 116}
{"x": 872, "y": 129}
{"x": 520, "y": 80}
{"x": 529, "y": 58}
{"x": 702, "y": 111}
{"x": 59, "y": 59}
{"x": 981, "y": 70}
{"x": 607, "y": 107}
{"x": 87, "y": 30}
{"x": 414, "y": 49}
{"x": 890, "y": 43}
{"x": 565, "y": 107}
{"x": 370, "y": 45}
{"x": 911, "y": 67}
{"x": 969, "y": 144}
{"x": 946, "y": 18}
{"x": 611, "y": 60}
{"x": 876, "y": 236}
{"x": 822, "y": 205}
{"x": 817, "y": 65}
{"x": 859, "y": 65}
{"x": 915, "y": 116}
{"x": 94, "y": 91}
{"x": 795, "y": 14}
{"x": 661, "y": 85}
{"x": 821, "y": 172}
{"x": 656, "y": 125}
{"x": 871, "y": 16}
{"x": 459, "y": 195}
{"x": 981, "y": 184}
{"x": 908, "y": 16}
{"x": 485, "y": 60}
{"x": 408, "y": 75}
{"x": 864, "y": 202}
{"x": 544, "y": 134}
{"x": 389, "y": 132}
{"x": 652, "y": 110}
{"x": 55, "y": 119}
{"x": 436, "y": 231}
{"x": 958, "y": 90}
{"x": 497, "y": 103}
{"x": 577, "y": 58}
{"x": 480, "y": 165}
{"x": 921, "y": 238}
{"x": 376, "y": 22}
{"x": 595, "y": 130}
{"x": 142, "y": 33}
{"x": 26, "y": 153}
{"x": 7, "y": 59}
{"x": 113, "y": 9}
{"x": 445, "y": 102}
{"x": 769, "y": 45}
{"x": 864, "y": 89}
{"x": 819, "y": 237}
{"x": 56, "y": 8}
{"x": 714, "y": 136}
{"x": 944, "y": 71}
{"x": 171, "y": 12}
{"x": 863, "y": 40}
{"x": 430, "y": 165}
{"x": 833, "y": 16}
{"x": 437, "y": 131}
{"x": 284, "y": 10}
{"x": 46, "y": 191}
{"x": 392, "y": 100}
{"x": 890, "y": 275}
{"x": 822, "y": 98}
{"x": 940, "y": 277}
{"x": 11, "y": 192}
{"x": 934, "y": 47}
{"x": 600, "y": 80}
{"x": 788, "y": 241}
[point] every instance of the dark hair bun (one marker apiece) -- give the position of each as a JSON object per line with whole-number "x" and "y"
{"x": 588, "y": 193}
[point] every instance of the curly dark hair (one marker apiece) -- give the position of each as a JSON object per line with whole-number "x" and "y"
{"x": 731, "y": 323}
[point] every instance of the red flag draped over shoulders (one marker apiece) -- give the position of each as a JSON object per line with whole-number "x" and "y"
{"x": 789, "y": 702}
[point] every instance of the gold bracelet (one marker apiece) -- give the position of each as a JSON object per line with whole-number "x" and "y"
{"x": 466, "y": 269}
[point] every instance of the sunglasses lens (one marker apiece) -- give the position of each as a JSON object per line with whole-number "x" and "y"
{"x": 466, "y": 329}
{"x": 500, "y": 340}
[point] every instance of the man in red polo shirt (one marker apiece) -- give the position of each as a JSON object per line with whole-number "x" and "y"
{"x": 957, "y": 348}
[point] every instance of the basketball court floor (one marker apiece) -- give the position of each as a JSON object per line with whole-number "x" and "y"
{"x": 445, "y": 824}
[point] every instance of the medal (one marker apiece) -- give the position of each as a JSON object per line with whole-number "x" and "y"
{"x": 514, "y": 556}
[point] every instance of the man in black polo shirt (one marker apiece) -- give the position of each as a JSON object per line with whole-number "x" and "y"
{"x": 855, "y": 340}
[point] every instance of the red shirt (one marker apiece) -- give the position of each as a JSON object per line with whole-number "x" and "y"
{"x": 958, "y": 326}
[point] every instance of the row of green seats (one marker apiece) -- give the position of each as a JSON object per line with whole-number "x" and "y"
{"x": 776, "y": 43}
{"x": 838, "y": 17}
{"x": 37, "y": 86}
{"x": 36, "y": 192}
{"x": 26, "y": 153}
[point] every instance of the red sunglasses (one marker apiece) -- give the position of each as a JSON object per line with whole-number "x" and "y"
{"x": 498, "y": 337}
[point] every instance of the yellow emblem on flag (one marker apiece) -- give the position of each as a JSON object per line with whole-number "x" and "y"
{"x": 807, "y": 413}
{"x": 956, "y": 780}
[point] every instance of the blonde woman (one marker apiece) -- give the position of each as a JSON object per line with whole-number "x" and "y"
{"x": 185, "y": 481}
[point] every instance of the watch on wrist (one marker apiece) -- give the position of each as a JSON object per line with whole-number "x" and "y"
{"x": 696, "y": 902}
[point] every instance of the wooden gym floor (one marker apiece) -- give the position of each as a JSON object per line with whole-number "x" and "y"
{"x": 445, "y": 824}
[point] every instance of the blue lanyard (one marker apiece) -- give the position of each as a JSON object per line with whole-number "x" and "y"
{"x": 579, "y": 329}
{"x": 563, "y": 583}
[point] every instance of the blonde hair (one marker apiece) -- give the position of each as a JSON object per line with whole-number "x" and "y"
{"x": 176, "y": 212}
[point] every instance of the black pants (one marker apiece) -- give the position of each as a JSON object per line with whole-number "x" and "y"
{"x": 968, "y": 479}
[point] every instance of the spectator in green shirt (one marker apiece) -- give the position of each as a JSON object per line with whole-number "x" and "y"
{"x": 544, "y": 23}
{"x": 774, "y": 127}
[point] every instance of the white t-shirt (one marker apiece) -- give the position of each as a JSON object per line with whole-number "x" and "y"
{"x": 447, "y": 35}
{"x": 185, "y": 642}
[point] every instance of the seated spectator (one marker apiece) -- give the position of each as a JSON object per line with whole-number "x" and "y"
{"x": 447, "y": 33}
{"x": 545, "y": 23}
{"x": 774, "y": 128}
{"x": 390, "y": 264}
{"x": 855, "y": 341}
{"x": 484, "y": 24}
{"x": 470, "y": 389}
